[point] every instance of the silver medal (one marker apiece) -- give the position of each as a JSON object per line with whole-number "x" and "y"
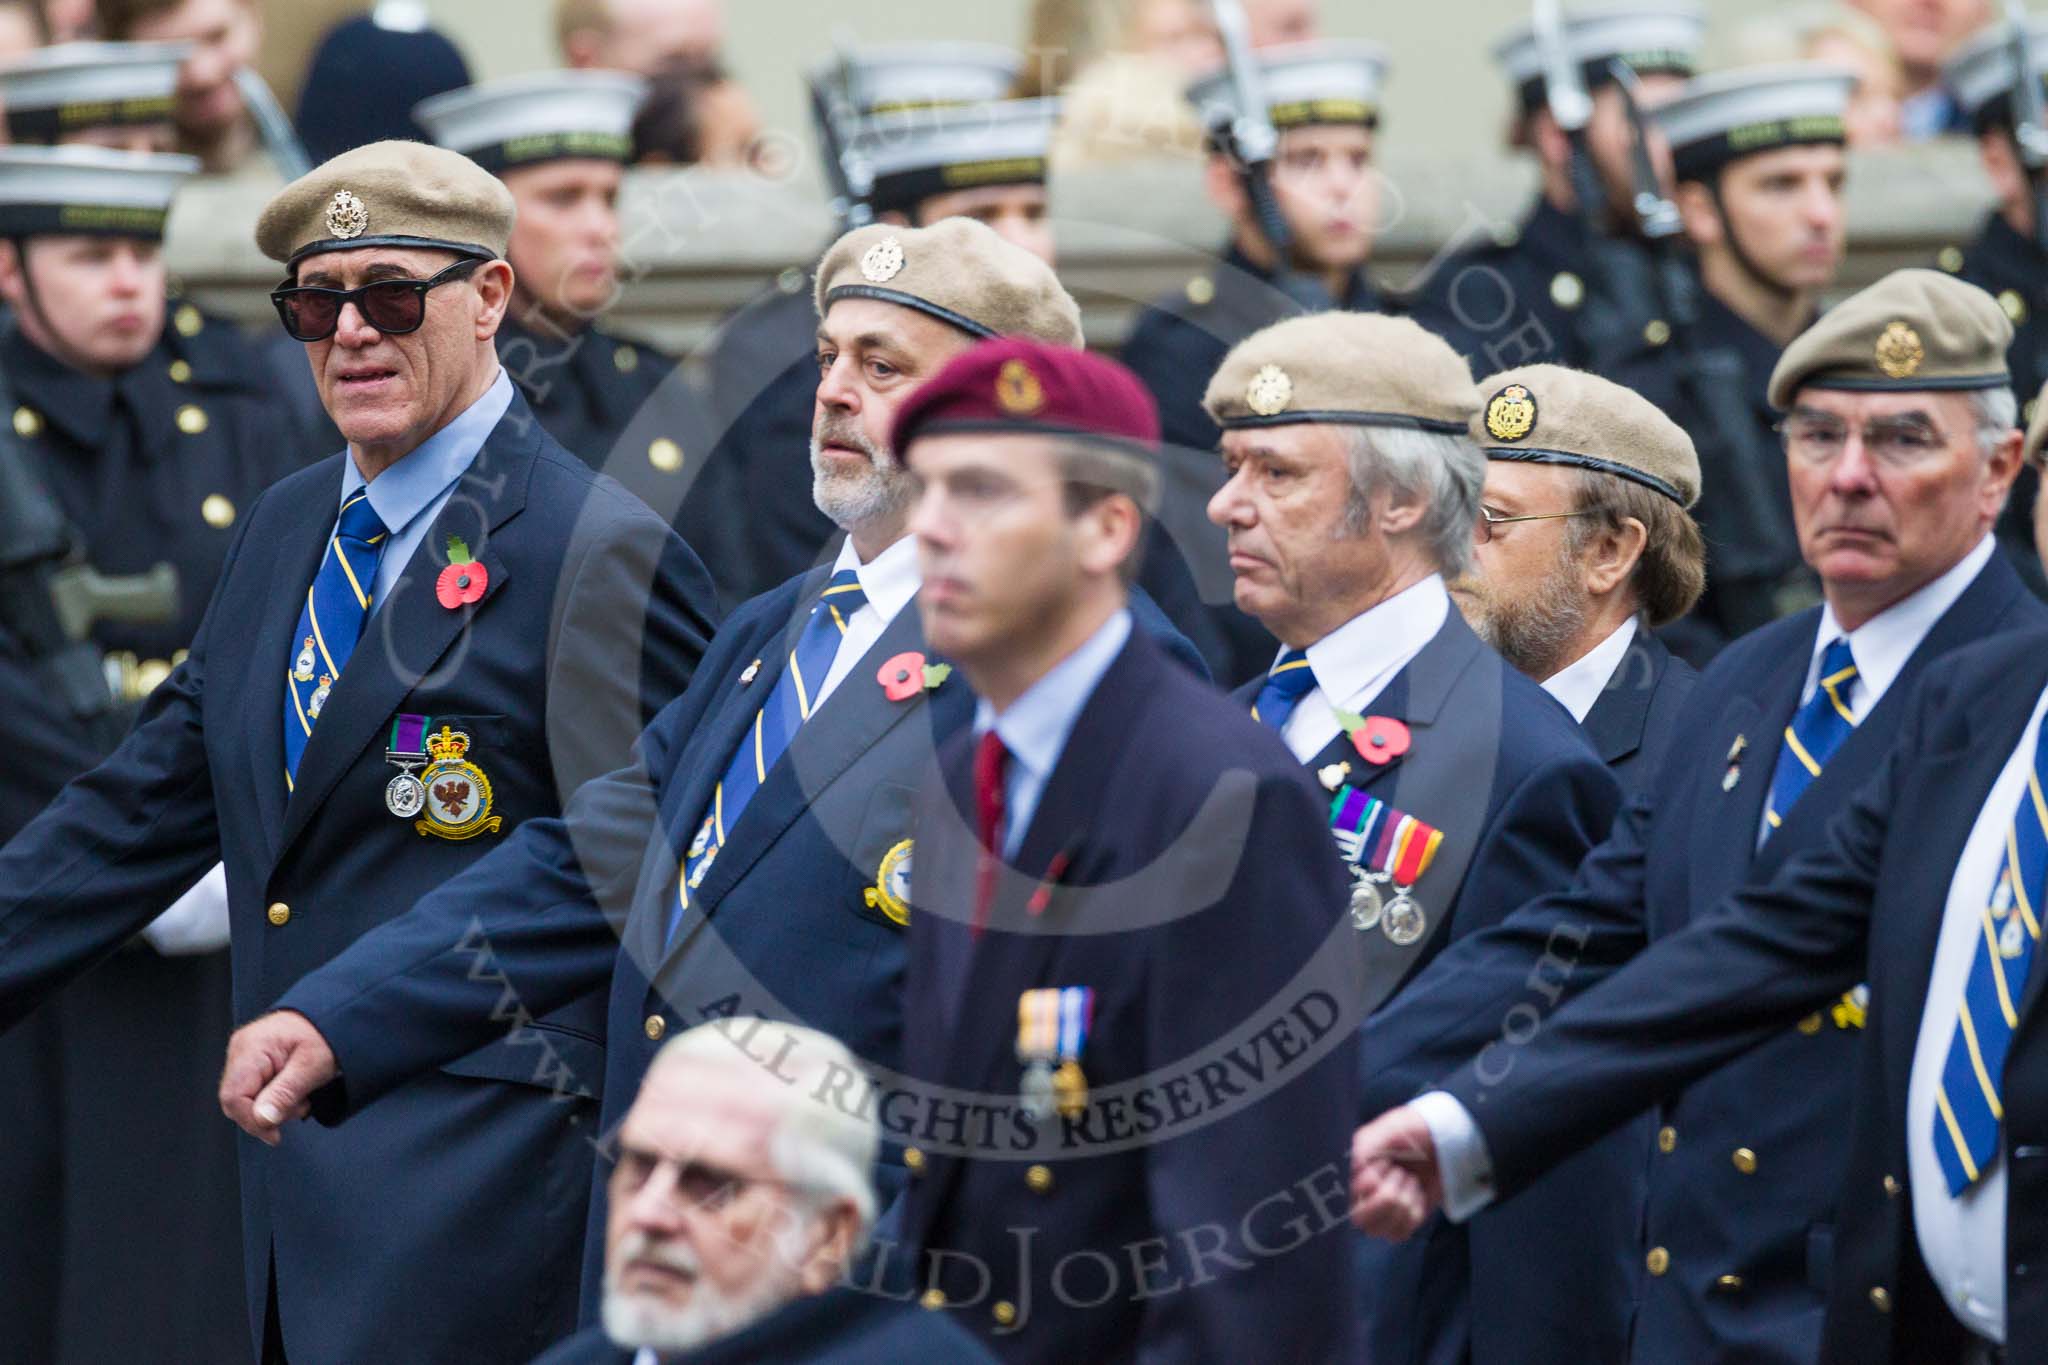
{"x": 404, "y": 796}
{"x": 1403, "y": 919}
{"x": 1365, "y": 900}
{"x": 1036, "y": 1097}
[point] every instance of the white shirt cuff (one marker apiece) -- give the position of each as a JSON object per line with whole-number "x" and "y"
{"x": 1461, "y": 1157}
{"x": 197, "y": 921}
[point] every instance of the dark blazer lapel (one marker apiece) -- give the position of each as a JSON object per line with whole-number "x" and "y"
{"x": 294, "y": 557}
{"x": 1758, "y": 720}
{"x": 410, "y": 630}
{"x": 1416, "y": 696}
{"x": 853, "y": 719}
{"x": 1622, "y": 710}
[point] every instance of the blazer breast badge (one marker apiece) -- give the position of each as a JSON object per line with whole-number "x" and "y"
{"x": 458, "y": 794}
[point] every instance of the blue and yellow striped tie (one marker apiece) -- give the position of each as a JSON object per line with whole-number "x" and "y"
{"x": 791, "y": 704}
{"x": 1287, "y": 682}
{"x": 1966, "y": 1104}
{"x": 336, "y": 606}
{"x": 1815, "y": 733}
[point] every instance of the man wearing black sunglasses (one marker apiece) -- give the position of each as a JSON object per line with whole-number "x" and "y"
{"x": 417, "y": 645}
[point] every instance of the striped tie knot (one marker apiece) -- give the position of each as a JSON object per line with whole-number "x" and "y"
{"x": 1816, "y": 731}
{"x": 842, "y": 597}
{"x": 1287, "y": 682}
{"x": 360, "y": 522}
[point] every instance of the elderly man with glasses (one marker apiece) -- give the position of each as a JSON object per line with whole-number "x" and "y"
{"x": 1585, "y": 546}
{"x": 1899, "y": 454}
{"x": 739, "y": 1201}
{"x": 417, "y": 645}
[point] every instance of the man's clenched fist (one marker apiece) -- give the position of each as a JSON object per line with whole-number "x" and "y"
{"x": 1395, "y": 1185}
{"x": 274, "y": 1065}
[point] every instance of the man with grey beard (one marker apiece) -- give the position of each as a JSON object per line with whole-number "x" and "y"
{"x": 1584, "y": 545}
{"x": 754, "y": 858}
{"x": 738, "y": 1201}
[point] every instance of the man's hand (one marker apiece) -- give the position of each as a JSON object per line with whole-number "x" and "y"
{"x": 275, "y": 1063}
{"x": 1395, "y": 1185}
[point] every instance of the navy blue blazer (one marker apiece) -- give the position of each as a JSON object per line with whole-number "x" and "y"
{"x": 1680, "y": 847}
{"x": 1177, "y": 867}
{"x": 476, "y": 1174}
{"x": 1501, "y": 768}
{"x": 1863, "y": 903}
{"x": 845, "y": 1326}
{"x": 1636, "y": 717}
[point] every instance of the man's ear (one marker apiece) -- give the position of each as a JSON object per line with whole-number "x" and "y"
{"x": 1225, "y": 190}
{"x": 11, "y": 281}
{"x": 1702, "y": 218}
{"x": 1611, "y": 556}
{"x": 493, "y": 281}
{"x": 827, "y": 1259}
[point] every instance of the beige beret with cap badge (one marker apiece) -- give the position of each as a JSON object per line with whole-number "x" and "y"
{"x": 397, "y": 193}
{"x": 958, "y": 271}
{"x": 1548, "y": 414}
{"x": 1913, "y": 331}
{"x": 1362, "y": 369}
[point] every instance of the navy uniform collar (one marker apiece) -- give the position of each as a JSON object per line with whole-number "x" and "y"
{"x": 1361, "y": 297}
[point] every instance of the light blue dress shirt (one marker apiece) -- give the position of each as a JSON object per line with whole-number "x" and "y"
{"x": 1035, "y": 727}
{"x": 409, "y": 495}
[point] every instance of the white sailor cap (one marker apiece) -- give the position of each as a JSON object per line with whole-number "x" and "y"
{"x": 896, "y": 76}
{"x": 1980, "y": 74}
{"x": 1647, "y": 38}
{"x": 91, "y": 191}
{"x": 1728, "y": 115}
{"x": 913, "y": 154}
{"x": 58, "y": 92}
{"x": 548, "y": 116}
{"x": 1329, "y": 81}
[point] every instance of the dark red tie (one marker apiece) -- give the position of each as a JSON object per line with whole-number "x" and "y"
{"x": 990, "y": 758}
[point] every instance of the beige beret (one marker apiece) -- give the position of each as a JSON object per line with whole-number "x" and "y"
{"x": 957, "y": 270}
{"x": 2037, "y": 430}
{"x": 388, "y": 194}
{"x": 1913, "y": 330}
{"x": 1547, "y": 414}
{"x": 1362, "y": 368}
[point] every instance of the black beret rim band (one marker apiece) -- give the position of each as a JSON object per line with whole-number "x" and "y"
{"x": 141, "y": 223}
{"x": 1024, "y": 426}
{"x": 1954, "y": 383}
{"x": 903, "y": 300}
{"x": 1345, "y": 418}
{"x": 1519, "y": 455}
{"x": 1698, "y": 160}
{"x": 327, "y": 244}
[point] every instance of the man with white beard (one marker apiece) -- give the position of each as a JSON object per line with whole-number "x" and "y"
{"x": 737, "y": 1201}
{"x": 1584, "y": 545}
{"x": 754, "y": 858}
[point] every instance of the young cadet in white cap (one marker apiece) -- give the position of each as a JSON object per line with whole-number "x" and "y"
{"x": 119, "y": 95}
{"x": 1517, "y": 294}
{"x": 153, "y": 434}
{"x": 2006, "y": 258}
{"x": 1760, "y": 165}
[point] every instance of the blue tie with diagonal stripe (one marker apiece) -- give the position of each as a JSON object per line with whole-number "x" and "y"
{"x": 1815, "y": 733}
{"x": 775, "y": 724}
{"x": 1287, "y": 682}
{"x": 336, "y": 606}
{"x": 1966, "y": 1103}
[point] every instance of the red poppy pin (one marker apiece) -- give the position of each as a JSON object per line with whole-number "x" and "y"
{"x": 907, "y": 674}
{"x": 1378, "y": 739}
{"x": 465, "y": 578}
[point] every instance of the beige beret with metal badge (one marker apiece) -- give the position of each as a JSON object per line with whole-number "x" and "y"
{"x": 1548, "y": 414}
{"x": 396, "y": 193}
{"x": 1912, "y": 331}
{"x": 957, "y": 270}
{"x": 1362, "y": 369}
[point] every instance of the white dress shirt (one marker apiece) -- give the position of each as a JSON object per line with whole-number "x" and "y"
{"x": 890, "y": 580}
{"x": 1881, "y": 647}
{"x": 1035, "y": 727}
{"x": 1578, "y": 685}
{"x": 1354, "y": 662}
{"x": 1962, "y": 1240}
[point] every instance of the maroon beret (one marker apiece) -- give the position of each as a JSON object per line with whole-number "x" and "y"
{"x": 1017, "y": 384}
